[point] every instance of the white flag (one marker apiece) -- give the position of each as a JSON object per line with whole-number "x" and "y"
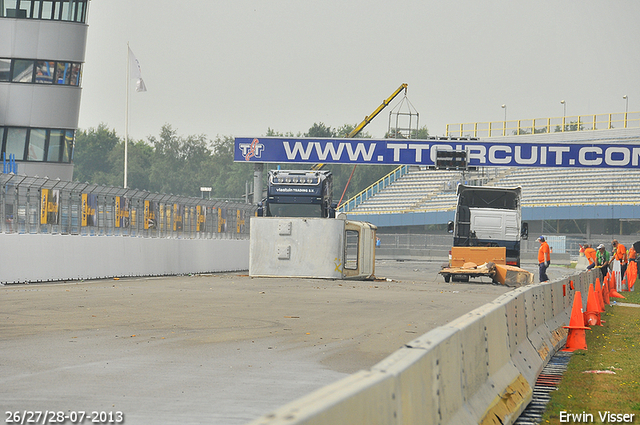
{"x": 136, "y": 72}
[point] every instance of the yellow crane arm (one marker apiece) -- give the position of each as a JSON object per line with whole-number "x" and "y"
{"x": 368, "y": 118}
{"x": 379, "y": 109}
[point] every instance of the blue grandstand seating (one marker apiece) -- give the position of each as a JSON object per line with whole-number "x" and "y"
{"x": 432, "y": 190}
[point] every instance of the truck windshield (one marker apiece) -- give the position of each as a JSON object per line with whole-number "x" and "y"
{"x": 488, "y": 198}
{"x": 295, "y": 210}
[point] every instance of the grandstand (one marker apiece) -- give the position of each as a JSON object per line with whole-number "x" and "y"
{"x": 424, "y": 195}
{"x": 423, "y": 189}
{"x": 585, "y": 204}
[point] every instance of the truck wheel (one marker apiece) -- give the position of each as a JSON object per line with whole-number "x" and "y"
{"x": 447, "y": 278}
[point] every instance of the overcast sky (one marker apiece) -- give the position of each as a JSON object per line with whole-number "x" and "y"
{"x": 238, "y": 67}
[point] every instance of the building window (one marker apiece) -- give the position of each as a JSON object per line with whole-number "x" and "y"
{"x": 5, "y": 69}
{"x": 56, "y": 142}
{"x": 46, "y": 72}
{"x": 61, "y": 10}
{"x": 37, "y": 144}
{"x": 16, "y": 141}
{"x": 47, "y": 10}
{"x": 75, "y": 74}
{"x": 67, "y": 148}
{"x": 11, "y": 9}
{"x": 67, "y": 74}
{"x": 22, "y": 71}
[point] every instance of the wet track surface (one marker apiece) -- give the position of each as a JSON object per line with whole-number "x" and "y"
{"x": 221, "y": 348}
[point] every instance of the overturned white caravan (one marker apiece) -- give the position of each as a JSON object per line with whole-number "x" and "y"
{"x": 312, "y": 248}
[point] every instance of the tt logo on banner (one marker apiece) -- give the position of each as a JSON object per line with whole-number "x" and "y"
{"x": 251, "y": 150}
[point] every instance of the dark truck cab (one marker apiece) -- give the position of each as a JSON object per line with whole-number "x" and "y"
{"x": 298, "y": 193}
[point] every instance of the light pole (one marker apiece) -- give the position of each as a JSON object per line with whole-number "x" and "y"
{"x": 504, "y": 124}
{"x": 205, "y": 189}
{"x": 626, "y": 108}
{"x": 564, "y": 113}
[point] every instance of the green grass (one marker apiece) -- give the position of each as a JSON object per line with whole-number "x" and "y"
{"x": 614, "y": 346}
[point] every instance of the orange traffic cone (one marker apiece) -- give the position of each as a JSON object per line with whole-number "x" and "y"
{"x": 612, "y": 286}
{"x": 615, "y": 294}
{"x": 592, "y": 315}
{"x": 576, "y": 339}
{"x": 599, "y": 298}
{"x": 605, "y": 292}
{"x": 612, "y": 279}
{"x": 633, "y": 275}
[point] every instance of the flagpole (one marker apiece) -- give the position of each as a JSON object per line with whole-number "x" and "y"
{"x": 126, "y": 120}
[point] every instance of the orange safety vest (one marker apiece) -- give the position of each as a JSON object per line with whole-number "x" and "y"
{"x": 544, "y": 249}
{"x": 590, "y": 253}
{"x": 621, "y": 254}
{"x": 632, "y": 253}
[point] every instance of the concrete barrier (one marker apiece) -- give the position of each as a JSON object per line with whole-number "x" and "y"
{"x": 478, "y": 369}
{"x": 365, "y": 397}
{"x": 41, "y": 257}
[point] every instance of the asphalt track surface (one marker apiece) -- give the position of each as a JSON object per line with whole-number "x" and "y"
{"x": 212, "y": 349}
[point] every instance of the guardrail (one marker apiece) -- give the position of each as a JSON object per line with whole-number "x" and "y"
{"x": 479, "y": 369}
{"x": 373, "y": 189}
{"x": 545, "y": 125}
{"x": 34, "y": 205}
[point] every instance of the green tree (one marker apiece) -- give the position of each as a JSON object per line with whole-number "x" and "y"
{"x": 320, "y": 130}
{"x": 421, "y": 133}
{"x": 346, "y": 129}
{"x": 572, "y": 126}
{"x": 394, "y": 133}
{"x": 171, "y": 163}
{"x": 139, "y": 154}
{"x": 179, "y": 164}
{"x": 91, "y": 155}
{"x": 228, "y": 178}
{"x": 273, "y": 133}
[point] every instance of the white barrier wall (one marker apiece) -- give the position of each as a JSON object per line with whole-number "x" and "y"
{"x": 41, "y": 257}
{"x": 479, "y": 369}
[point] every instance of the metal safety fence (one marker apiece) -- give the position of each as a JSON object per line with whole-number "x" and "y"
{"x": 545, "y": 125}
{"x": 30, "y": 205}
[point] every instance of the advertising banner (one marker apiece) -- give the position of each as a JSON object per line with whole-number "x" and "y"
{"x": 222, "y": 220}
{"x": 201, "y": 218}
{"x": 44, "y": 200}
{"x": 178, "y": 214}
{"x": 49, "y": 206}
{"x": 240, "y": 221}
{"x": 150, "y": 209}
{"x": 89, "y": 208}
{"x": 167, "y": 209}
{"x": 122, "y": 212}
{"x": 423, "y": 152}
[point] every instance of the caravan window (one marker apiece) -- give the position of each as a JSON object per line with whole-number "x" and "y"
{"x": 351, "y": 249}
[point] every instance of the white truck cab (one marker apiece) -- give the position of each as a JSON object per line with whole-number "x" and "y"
{"x": 488, "y": 216}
